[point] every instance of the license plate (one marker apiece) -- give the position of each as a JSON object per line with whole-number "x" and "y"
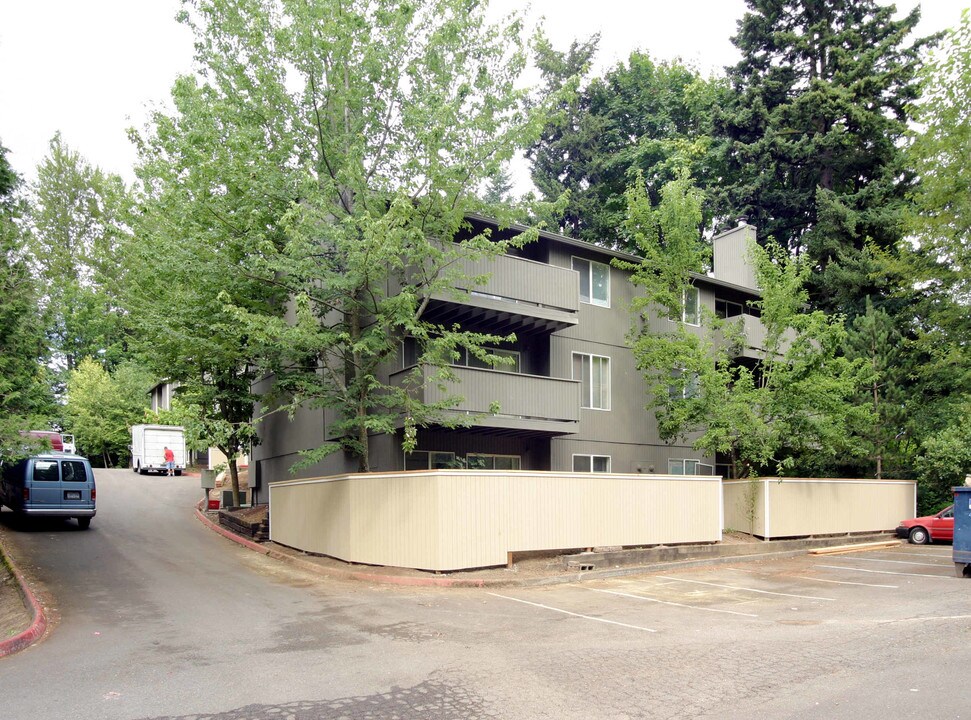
{"x": 72, "y": 495}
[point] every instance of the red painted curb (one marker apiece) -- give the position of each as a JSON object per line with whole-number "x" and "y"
{"x": 256, "y": 547}
{"x": 39, "y": 624}
{"x": 349, "y": 574}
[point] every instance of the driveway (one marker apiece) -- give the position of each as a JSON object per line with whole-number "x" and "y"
{"x": 161, "y": 618}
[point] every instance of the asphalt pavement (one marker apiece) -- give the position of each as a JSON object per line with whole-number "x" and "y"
{"x": 158, "y": 617}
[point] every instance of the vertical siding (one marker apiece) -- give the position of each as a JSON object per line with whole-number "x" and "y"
{"x": 793, "y": 507}
{"x": 745, "y": 506}
{"x": 730, "y": 256}
{"x": 450, "y": 520}
{"x": 526, "y": 280}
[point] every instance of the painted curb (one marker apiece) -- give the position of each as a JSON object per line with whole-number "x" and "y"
{"x": 38, "y": 625}
{"x": 446, "y": 582}
{"x": 352, "y": 574}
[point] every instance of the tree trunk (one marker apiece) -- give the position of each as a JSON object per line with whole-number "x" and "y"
{"x": 234, "y": 479}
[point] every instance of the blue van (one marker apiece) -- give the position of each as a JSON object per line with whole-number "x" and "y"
{"x": 50, "y": 485}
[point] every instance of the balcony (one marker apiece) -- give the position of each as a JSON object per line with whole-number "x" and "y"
{"x": 754, "y": 336}
{"x": 519, "y": 296}
{"x": 524, "y": 403}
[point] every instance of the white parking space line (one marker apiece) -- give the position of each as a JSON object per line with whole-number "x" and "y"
{"x": 880, "y": 572}
{"x": 847, "y": 582}
{"x": 567, "y": 612}
{"x": 899, "y": 562}
{"x": 917, "y": 554}
{"x": 668, "y": 602}
{"x": 927, "y": 619}
{"x": 745, "y": 589}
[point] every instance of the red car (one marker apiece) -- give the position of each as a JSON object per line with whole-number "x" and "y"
{"x": 932, "y": 528}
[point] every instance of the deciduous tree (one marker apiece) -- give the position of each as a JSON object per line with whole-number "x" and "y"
{"x": 790, "y": 410}
{"x": 26, "y": 401}
{"x": 324, "y": 161}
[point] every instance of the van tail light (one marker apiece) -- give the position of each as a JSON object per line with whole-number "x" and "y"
{"x": 26, "y": 494}
{"x": 94, "y": 494}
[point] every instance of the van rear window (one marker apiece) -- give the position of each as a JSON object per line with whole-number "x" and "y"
{"x": 45, "y": 471}
{"x": 73, "y": 471}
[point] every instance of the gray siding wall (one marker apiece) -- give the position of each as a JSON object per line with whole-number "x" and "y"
{"x": 627, "y": 432}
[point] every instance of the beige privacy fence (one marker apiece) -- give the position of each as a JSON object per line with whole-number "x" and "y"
{"x": 452, "y": 520}
{"x": 797, "y": 507}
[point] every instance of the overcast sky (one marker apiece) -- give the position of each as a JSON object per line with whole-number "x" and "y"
{"x": 90, "y": 68}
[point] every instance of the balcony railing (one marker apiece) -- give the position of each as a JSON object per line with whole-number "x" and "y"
{"x": 517, "y": 295}
{"x": 495, "y": 399}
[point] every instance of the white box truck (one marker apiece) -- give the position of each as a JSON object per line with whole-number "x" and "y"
{"x": 148, "y": 443}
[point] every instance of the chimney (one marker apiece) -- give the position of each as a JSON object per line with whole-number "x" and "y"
{"x": 730, "y": 261}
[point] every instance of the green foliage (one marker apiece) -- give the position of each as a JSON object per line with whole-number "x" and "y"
{"x": 301, "y": 201}
{"x": 812, "y": 137}
{"x": 102, "y": 406}
{"x": 944, "y": 461}
{"x": 874, "y": 338}
{"x": 787, "y": 412}
{"x": 644, "y": 119}
{"x": 78, "y": 219}
{"x": 26, "y": 401}
{"x": 667, "y": 239}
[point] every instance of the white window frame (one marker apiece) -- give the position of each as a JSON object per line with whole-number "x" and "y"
{"x": 696, "y": 464}
{"x": 689, "y": 390}
{"x": 588, "y": 271}
{"x": 518, "y": 460}
{"x": 591, "y": 458}
{"x": 605, "y": 387}
{"x": 684, "y": 306}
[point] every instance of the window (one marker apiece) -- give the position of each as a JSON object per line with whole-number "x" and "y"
{"x": 691, "y": 306}
{"x": 727, "y": 309}
{"x": 594, "y": 281}
{"x": 469, "y": 360}
{"x": 45, "y": 471}
{"x": 689, "y": 467}
{"x": 685, "y": 385}
{"x": 73, "y": 471}
{"x": 409, "y": 352}
{"x": 591, "y": 463}
{"x": 481, "y": 461}
{"x": 593, "y": 372}
{"x": 434, "y": 460}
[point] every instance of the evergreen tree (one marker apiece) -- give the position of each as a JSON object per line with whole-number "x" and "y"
{"x": 874, "y": 338}
{"x": 812, "y": 139}
{"x": 642, "y": 119}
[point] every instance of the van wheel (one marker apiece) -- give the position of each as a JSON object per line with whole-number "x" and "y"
{"x": 178, "y": 473}
{"x": 84, "y": 523}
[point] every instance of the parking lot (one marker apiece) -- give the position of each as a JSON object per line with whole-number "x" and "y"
{"x": 872, "y": 634}
{"x": 151, "y": 603}
{"x": 872, "y": 586}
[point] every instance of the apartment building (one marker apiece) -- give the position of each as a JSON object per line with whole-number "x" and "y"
{"x": 569, "y": 398}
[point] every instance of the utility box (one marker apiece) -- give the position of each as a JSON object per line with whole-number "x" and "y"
{"x": 208, "y": 479}
{"x": 962, "y": 531}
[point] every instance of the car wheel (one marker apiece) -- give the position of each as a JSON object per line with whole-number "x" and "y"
{"x": 84, "y": 523}
{"x": 178, "y": 473}
{"x": 919, "y": 536}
